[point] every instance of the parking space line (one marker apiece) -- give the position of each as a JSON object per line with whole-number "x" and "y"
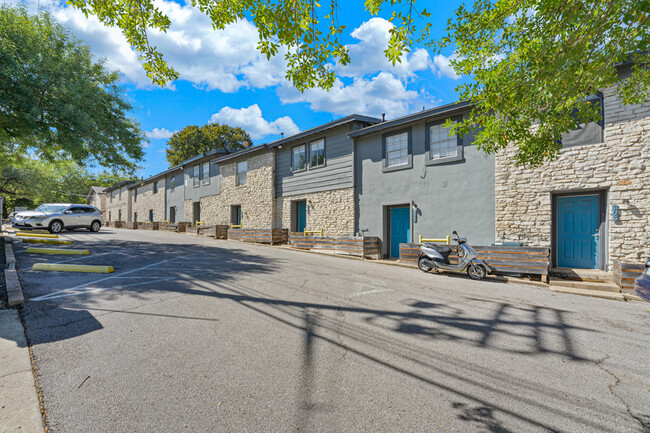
{"x": 82, "y": 290}
{"x": 50, "y": 295}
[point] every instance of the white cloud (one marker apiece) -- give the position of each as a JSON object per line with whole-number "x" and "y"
{"x": 367, "y": 56}
{"x": 225, "y": 60}
{"x": 251, "y": 120}
{"x": 157, "y": 134}
{"x": 382, "y": 94}
{"x": 444, "y": 68}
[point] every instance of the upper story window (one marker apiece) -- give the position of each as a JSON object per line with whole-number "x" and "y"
{"x": 298, "y": 158}
{"x": 242, "y": 168}
{"x": 440, "y": 145}
{"x": 196, "y": 180}
{"x": 135, "y": 194}
{"x": 111, "y": 197}
{"x": 172, "y": 184}
{"x": 317, "y": 153}
{"x": 397, "y": 150}
{"x": 588, "y": 132}
{"x": 155, "y": 187}
{"x": 206, "y": 173}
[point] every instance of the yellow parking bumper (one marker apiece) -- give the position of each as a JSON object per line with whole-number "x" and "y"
{"x": 58, "y": 251}
{"x": 72, "y": 268}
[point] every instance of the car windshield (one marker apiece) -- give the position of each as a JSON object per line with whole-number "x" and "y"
{"x": 51, "y": 208}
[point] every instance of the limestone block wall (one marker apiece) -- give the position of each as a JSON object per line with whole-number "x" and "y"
{"x": 116, "y": 200}
{"x": 99, "y": 201}
{"x": 147, "y": 200}
{"x": 256, "y": 198}
{"x": 620, "y": 165}
{"x": 333, "y": 211}
{"x": 188, "y": 209}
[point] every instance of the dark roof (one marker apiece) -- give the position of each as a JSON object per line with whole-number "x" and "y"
{"x": 203, "y": 155}
{"x": 444, "y": 110}
{"x": 120, "y": 185}
{"x": 241, "y": 152}
{"x": 326, "y": 126}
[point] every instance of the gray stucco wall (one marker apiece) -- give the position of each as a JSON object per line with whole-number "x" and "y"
{"x": 337, "y": 172}
{"x": 451, "y": 196}
{"x": 176, "y": 198}
{"x": 195, "y": 193}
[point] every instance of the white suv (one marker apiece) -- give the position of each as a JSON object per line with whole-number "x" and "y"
{"x": 58, "y": 216}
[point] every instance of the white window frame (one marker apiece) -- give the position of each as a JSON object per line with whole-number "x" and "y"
{"x": 441, "y": 150}
{"x": 172, "y": 184}
{"x": 387, "y": 151}
{"x": 196, "y": 176}
{"x": 206, "y": 173}
{"x": 320, "y": 144}
{"x": 304, "y": 151}
{"x": 241, "y": 174}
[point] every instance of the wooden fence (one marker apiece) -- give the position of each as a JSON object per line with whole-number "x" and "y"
{"x": 130, "y": 225}
{"x": 176, "y": 227}
{"x": 503, "y": 259}
{"x": 367, "y": 247}
{"x": 626, "y": 273}
{"x": 148, "y": 226}
{"x": 260, "y": 236}
{"x": 216, "y": 231}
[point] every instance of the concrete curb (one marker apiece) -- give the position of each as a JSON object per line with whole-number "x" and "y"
{"x": 15, "y": 294}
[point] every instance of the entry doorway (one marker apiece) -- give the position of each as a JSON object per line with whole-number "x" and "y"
{"x": 399, "y": 229}
{"x": 299, "y": 216}
{"x": 196, "y": 212}
{"x": 235, "y": 215}
{"x": 172, "y": 214}
{"x": 578, "y": 225}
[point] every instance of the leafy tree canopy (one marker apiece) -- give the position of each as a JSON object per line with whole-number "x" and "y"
{"x": 30, "y": 182}
{"x": 55, "y": 101}
{"x": 194, "y": 140}
{"x": 532, "y": 62}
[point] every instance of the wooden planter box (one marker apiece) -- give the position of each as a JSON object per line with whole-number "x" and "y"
{"x": 216, "y": 231}
{"x": 626, "y": 273}
{"x": 118, "y": 224}
{"x": 503, "y": 259}
{"x": 260, "y": 236}
{"x": 148, "y": 226}
{"x": 131, "y": 225}
{"x": 367, "y": 247}
{"x": 177, "y": 227}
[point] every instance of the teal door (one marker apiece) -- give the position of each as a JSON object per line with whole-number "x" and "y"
{"x": 400, "y": 229}
{"x": 301, "y": 208}
{"x": 577, "y": 232}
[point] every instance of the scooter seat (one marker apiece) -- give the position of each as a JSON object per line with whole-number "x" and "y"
{"x": 444, "y": 250}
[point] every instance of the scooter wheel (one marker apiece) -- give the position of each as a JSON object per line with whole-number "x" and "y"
{"x": 425, "y": 265}
{"x": 476, "y": 272}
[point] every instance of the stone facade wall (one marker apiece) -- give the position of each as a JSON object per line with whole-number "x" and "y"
{"x": 147, "y": 200}
{"x": 121, "y": 201}
{"x": 333, "y": 211}
{"x": 256, "y": 198}
{"x": 99, "y": 201}
{"x": 188, "y": 211}
{"x": 620, "y": 165}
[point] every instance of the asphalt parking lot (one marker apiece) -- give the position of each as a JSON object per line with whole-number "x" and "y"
{"x": 194, "y": 334}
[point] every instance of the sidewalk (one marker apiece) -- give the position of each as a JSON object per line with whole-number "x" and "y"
{"x": 19, "y": 406}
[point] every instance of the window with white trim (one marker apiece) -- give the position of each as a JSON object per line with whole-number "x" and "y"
{"x": 196, "y": 180}
{"x": 317, "y": 153}
{"x": 172, "y": 184}
{"x": 206, "y": 173}
{"x": 242, "y": 168}
{"x": 397, "y": 149}
{"x": 298, "y": 158}
{"x": 441, "y": 144}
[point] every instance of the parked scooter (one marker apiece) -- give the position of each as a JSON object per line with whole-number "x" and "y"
{"x": 436, "y": 257}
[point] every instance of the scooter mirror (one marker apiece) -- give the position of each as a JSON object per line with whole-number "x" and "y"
{"x": 454, "y": 232}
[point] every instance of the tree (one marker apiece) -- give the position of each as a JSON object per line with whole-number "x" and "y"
{"x": 55, "y": 101}
{"x": 532, "y": 62}
{"x": 30, "y": 182}
{"x": 194, "y": 140}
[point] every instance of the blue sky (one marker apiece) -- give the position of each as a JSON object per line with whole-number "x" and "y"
{"x": 224, "y": 79}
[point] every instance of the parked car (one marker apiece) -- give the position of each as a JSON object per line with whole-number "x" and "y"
{"x": 58, "y": 216}
{"x": 642, "y": 284}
